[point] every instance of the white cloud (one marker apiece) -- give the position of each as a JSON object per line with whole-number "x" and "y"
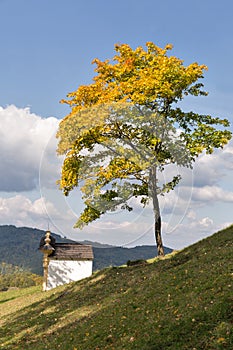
{"x": 192, "y": 231}
{"x": 191, "y": 215}
{"x": 115, "y": 232}
{"x": 211, "y": 194}
{"x": 210, "y": 169}
{"x": 23, "y": 138}
{"x": 22, "y": 211}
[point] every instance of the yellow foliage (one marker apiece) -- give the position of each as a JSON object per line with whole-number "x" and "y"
{"x": 140, "y": 76}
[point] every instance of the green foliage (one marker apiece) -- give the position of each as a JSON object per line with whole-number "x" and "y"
{"x": 181, "y": 302}
{"x": 15, "y": 277}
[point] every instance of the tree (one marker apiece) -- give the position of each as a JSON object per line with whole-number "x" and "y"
{"x": 127, "y": 126}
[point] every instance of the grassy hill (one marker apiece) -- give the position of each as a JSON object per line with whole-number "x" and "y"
{"x": 184, "y": 301}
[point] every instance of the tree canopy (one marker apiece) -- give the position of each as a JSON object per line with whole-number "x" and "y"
{"x": 127, "y": 126}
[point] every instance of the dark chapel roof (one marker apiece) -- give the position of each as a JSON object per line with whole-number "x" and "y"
{"x": 72, "y": 251}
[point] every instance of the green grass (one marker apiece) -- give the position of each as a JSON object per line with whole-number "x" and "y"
{"x": 181, "y": 302}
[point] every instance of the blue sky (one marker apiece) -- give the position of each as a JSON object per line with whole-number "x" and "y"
{"x": 46, "y": 51}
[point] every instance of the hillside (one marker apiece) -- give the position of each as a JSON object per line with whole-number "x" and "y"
{"x": 182, "y": 302}
{"x": 19, "y": 247}
{"x": 12, "y": 276}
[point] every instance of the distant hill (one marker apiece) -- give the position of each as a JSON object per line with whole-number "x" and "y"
{"x": 182, "y": 302}
{"x": 19, "y": 246}
{"x": 116, "y": 256}
{"x": 12, "y": 276}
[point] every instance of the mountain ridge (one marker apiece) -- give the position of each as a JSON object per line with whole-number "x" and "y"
{"x": 19, "y": 246}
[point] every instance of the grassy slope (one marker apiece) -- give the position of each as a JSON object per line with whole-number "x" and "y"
{"x": 182, "y": 302}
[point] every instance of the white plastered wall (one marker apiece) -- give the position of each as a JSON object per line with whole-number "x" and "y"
{"x": 66, "y": 271}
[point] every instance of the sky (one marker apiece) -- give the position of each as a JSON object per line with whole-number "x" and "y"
{"x": 46, "y": 52}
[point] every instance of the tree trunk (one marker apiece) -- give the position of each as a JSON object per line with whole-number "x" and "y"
{"x": 156, "y": 210}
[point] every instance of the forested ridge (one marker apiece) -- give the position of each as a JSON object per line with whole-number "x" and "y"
{"x": 19, "y": 247}
{"x": 12, "y": 276}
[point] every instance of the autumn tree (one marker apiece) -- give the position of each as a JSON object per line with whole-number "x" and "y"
{"x": 126, "y": 127}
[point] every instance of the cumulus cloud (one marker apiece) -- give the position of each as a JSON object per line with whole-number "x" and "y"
{"x": 21, "y": 211}
{"x": 212, "y": 194}
{"x": 130, "y": 234}
{"x": 192, "y": 231}
{"x": 210, "y": 169}
{"x": 23, "y": 140}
